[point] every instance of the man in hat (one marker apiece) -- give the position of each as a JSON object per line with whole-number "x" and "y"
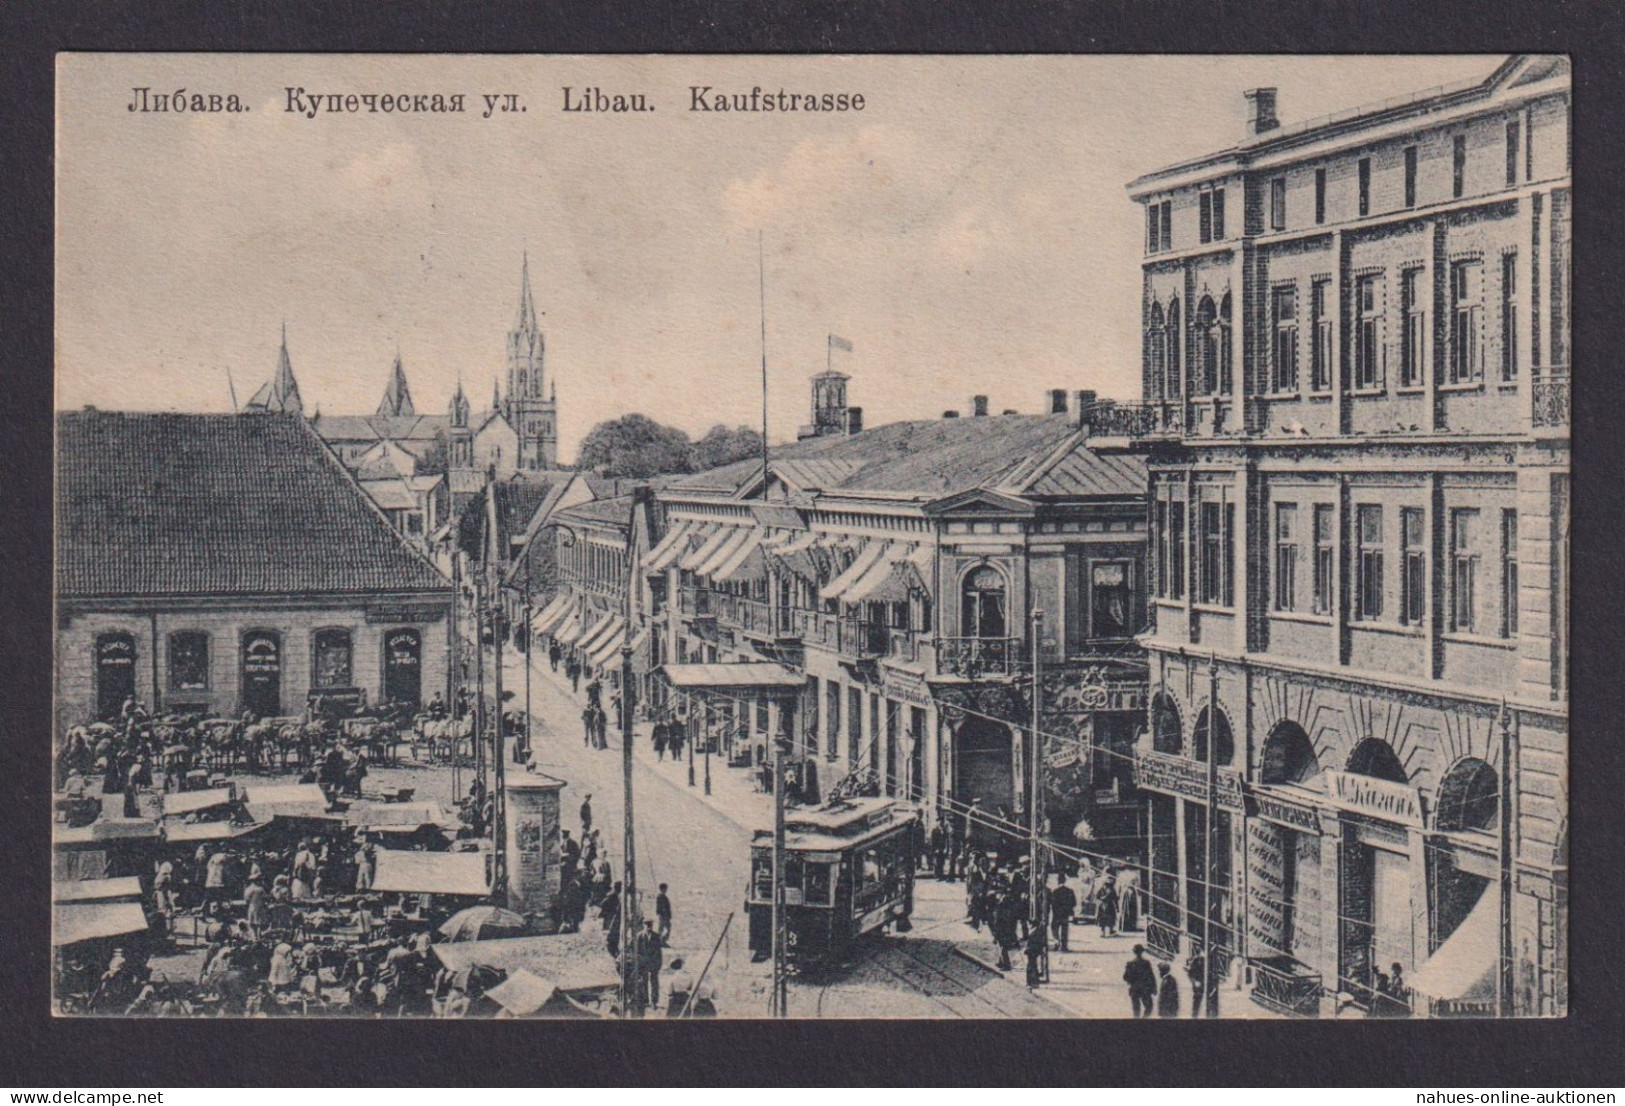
{"x": 649, "y": 961}
{"x": 586, "y": 816}
{"x": 1167, "y": 992}
{"x": 1142, "y": 983}
{"x": 1063, "y": 903}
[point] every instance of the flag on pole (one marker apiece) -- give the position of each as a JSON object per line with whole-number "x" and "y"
{"x": 837, "y": 342}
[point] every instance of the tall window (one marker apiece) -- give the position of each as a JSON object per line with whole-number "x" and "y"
{"x": 1509, "y": 316}
{"x": 1153, "y": 229}
{"x": 188, "y": 661}
{"x": 1458, "y": 166}
{"x": 1211, "y": 214}
{"x": 983, "y": 611}
{"x": 1157, "y": 341}
{"x": 1109, "y": 600}
{"x": 1171, "y": 341}
{"x": 1367, "y": 333}
{"x": 1365, "y": 185}
{"x": 1509, "y": 572}
{"x": 1463, "y": 569}
{"x": 1466, "y": 301}
{"x": 1325, "y": 557}
{"x": 1320, "y": 196}
{"x": 1410, "y": 176}
{"x": 1320, "y": 378}
{"x": 1286, "y": 556}
{"x": 1172, "y": 565}
{"x": 1278, "y": 203}
{"x": 1368, "y": 592}
{"x": 1284, "y": 308}
{"x": 1205, "y": 337}
{"x": 1214, "y": 574}
{"x": 1226, "y": 382}
{"x": 832, "y": 714}
{"x": 1514, "y": 134}
{"x": 854, "y": 724}
{"x": 1414, "y": 355}
{"x": 331, "y": 659}
{"x": 1413, "y": 584}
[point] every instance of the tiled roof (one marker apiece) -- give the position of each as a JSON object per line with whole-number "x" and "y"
{"x": 615, "y": 512}
{"x": 253, "y": 504}
{"x": 353, "y": 428}
{"x": 1083, "y": 472}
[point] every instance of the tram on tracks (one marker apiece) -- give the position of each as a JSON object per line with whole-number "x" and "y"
{"x": 848, "y": 870}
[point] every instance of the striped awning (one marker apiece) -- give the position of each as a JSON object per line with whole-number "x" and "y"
{"x": 609, "y": 646}
{"x": 569, "y": 631}
{"x": 893, "y": 576}
{"x": 724, "y": 552}
{"x": 861, "y": 564}
{"x": 600, "y": 629}
{"x": 800, "y": 555}
{"x": 670, "y": 547}
{"x": 640, "y": 637}
{"x": 697, "y": 556}
{"x": 552, "y": 614}
{"x": 745, "y": 562}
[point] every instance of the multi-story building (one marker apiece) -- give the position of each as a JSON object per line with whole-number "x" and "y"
{"x": 896, "y": 572}
{"x": 1355, "y": 418}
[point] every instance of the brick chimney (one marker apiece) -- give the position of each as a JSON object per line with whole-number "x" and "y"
{"x": 1260, "y": 111}
{"x": 978, "y": 406}
{"x": 854, "y": 420}
{"x": 1082, "y": 401}
{"x": 950, "y": 414}
{"x": 1057, "y": 401}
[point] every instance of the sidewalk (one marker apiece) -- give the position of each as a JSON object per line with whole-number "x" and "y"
{"x": 1087, "y": 981}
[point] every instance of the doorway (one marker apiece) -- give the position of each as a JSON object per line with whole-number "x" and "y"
{"x": 262, "y": 673}
{"x": 115, "y": 673}
{"x": 403, "y": 669}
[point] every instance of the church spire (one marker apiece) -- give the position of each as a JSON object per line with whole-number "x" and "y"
{"x": 397, "y": 396}
{"x": 281, "y": 393}
{"x": 526, "y": 321}
{"x": 496, "y": 396}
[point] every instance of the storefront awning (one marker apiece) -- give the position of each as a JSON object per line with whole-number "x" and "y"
{"x": 862, "y": 563}
{"x": 178, "y": 804}
{"x": 431, "y": 873}
{"x": 727, "y": 677}
{"x": 600, "y": 630}
{"x": 800, "y": 555}
{"x": 892, "y": 577}
{"x": 96, "y": 890}
{"x": 1463, "y": 968}
{"x": 691, "y": 561}
{"x": 744, "y": 563}
{"x": 569, "y": 631}
{"x": 552, "y": 614}
{"x": 724, "y": 552}
{"x": 609, "y": 644}
{"x": 669, "y": 548}
{"x": 90, "y": 921}
{"x": 639, "y": 638}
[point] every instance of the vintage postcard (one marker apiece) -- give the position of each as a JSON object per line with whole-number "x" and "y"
{"x": 813, "y": 537}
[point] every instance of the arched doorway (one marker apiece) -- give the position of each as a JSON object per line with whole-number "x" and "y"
{"x": 262, "y": 672}
{"x": 1465, "y": 858}
{"x": 1289, "y": 756}
{"x": 1224, "y": 740}
{"x": 1284, "y": 858}
{"x": 115, "y": 673}
{"x": 403, "y": 667}
{"x": 1376, "y": 884}
{"x": 984, "y": 769}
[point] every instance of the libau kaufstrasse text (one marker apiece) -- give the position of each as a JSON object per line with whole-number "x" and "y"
{"x": 706, "y": 99}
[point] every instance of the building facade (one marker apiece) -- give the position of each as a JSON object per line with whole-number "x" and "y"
{"x": 1355, "y": 419}
{"x": 228, "y": 563}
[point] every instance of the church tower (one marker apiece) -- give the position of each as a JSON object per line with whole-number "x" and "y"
{"x": 281, "y": 392}
{"x": 529, "y": 408}
{"x": 459, "y": 435}
{"x": 397, "y": 399}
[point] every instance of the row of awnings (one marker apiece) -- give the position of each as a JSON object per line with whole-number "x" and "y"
{"x": 881, "y": 571}
{"x": 884, "y": 572}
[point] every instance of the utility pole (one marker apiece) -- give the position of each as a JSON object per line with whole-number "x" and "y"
{"x": 479, "y": 680}
{"x": 499, "y": 829}
{"x": 780, "y": 1007}
{"x": 1505, "y": 982}
{"x": 528, "y": 636}
{"x": 1036, "y": 883}
{"x": 1210, "y": 884}
{"x": 631, "y": 996}
{"x": 453, "y": 652}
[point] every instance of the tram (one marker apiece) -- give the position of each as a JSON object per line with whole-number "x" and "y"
{"x": 848, "y": 870}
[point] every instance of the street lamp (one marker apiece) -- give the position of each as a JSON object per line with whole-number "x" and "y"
{"x": 1036, "y": 883}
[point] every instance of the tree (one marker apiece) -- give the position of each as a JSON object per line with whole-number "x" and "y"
{"x": 722, "y": 446}
{"x": 635, "y": 446}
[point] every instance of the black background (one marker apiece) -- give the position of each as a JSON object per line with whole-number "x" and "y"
{"x": 40, "y": 1052}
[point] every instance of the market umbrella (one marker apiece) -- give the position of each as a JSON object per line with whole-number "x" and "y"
{"x": 483, "y": 923}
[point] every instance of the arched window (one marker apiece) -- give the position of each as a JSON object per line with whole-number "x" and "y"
{"x": 983, "y": 613}
{"x": 1173, "y": 389}
{"x": 1225, "y": 742}
{"x": 1376, "y": 758}
{"x": 1289, "y": 756}
{"x": 330, "y": 659}
{"x": 1205, "y": 340}
{"x": 188, "y": 660}
{"x": 1166, "y": 730}
{"x": 1469, "y": 797}
{"x": 1226, "y": 373}
{"x": 1157, "y": 343}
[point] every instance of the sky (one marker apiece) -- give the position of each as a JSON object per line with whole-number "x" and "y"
{"x": 968, "y": 231}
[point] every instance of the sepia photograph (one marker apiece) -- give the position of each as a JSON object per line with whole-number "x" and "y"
{"x": 814, "y": 537}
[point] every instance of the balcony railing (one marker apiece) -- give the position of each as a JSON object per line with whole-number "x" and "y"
{"x": 1162, "y": 938}
{"x": 856, "y": 637}
{"x": 1549, "y": 399}
{"x": 696, "y": 602}
{"x": 1136, "y": 420}
{"x": 1287, "y": 986}
{"x": 977, "y": 658}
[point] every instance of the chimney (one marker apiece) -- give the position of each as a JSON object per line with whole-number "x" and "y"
{"x": 950, "y": 414}
{"x": 1010, "y": 411}
{"x": 854, "y": 420}
{"x": 1057, "y": 401}
{"x": 1083, "y": 401}
{"x": 979, "y": 406}
{"x": 1260, "y": 111}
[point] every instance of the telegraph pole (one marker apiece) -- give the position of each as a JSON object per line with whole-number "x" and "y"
{"x": 631, "y": 999}
{"x": 1036, "y": 883}
{"x": 1211, "y": 824}
{"x": 499, "y": 808}
{"x": 781, "y": 983}
{"x": 1505, "y": 982}
{"x": 453, "y": 668}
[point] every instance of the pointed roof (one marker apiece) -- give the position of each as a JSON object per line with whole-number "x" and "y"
{"x": 282, "y": 393}
{"x": 397, "y": 396}
{"x": 459, "y": 406}
{"x": 496, "y": 395}
{"x": 526, "y": 320}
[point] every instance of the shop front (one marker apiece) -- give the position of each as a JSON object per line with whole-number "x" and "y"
{"x": 1284, "y": 908}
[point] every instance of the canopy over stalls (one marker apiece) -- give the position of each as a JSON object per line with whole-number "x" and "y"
{"x": 547, "y": 958}
{"x": 727, "y": 677}
{"x": 97, "y": 890}
{"x": 90, "y": 921}
{"x": 432, "y": 873}
{"x": 177, "y": 832}
{"x": 670, "y": 547}
{"x": 861, "y": 564}
{"x": 396, "y": 817}
{"x": 1463, "y": 968}
{"x": 181, "y": 803}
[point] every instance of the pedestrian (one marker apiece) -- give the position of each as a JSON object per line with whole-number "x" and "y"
{"x": 214, "y": 880}
{"x": 650, "y": 960}
{"x": 1142, "y": 983}
{"x": 586, "y": 816}
{"x": 1063, "y": 903}
{"x": 1106, "y": 901}
{"x": 1005, "y": 928}
{"x": 587, "y": 726}
{"x": 675, "y": 740}
{"x": 660, "y": 742}
{"x": 1167, "y": 992}
{"x": 574, "y": 672}
{"x": 553, "y": 654}
{"x": 1196, "y": 972}
{"x": 595, "y": 693}
{"x": 1128, "y": 906}
{"x": 569, "y": 853}
{"x": 304, "y": 872}
{"x": 601, "y": 727}
{"x": 259, "y": 910}
{"x": 939, "y": 849}
{"x": 609, "y": 913}
{"x": 1035, "y": 955}
{"x": 976, "y": 895}
{"x": 663, "y": 913}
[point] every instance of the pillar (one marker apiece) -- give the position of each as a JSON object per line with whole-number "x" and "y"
{"x": 533, "y": 844}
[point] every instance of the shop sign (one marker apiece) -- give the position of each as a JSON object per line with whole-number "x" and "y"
{"x": 1286, "y": 813}
{"x": 1392, "y": 802}
{"x": 409, "y": 615}
{"x": 1178, "y": 776}
{"x": 1266, "y": 869}
{"x": 905, "y": 685}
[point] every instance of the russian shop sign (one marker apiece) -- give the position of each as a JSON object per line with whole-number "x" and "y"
{"x": 1188, "y": 778}
{"x": 1392, "y": 802}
